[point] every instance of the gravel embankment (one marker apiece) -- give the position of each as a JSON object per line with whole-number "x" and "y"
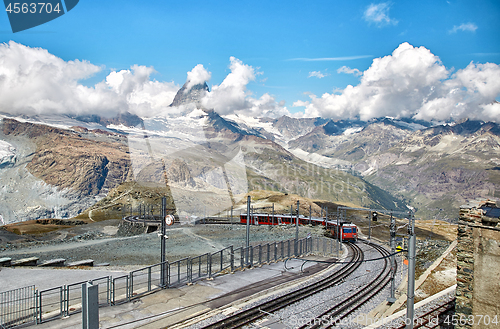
{"x": 103, "y": 246}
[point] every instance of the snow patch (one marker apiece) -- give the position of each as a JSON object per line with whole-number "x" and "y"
{"x": 350, "y": 131}
{"x": 253, "y": 123}
{"x": 318, "y": 159}
{"x": 7, "y": 154}
{"x": 448, "y": 144}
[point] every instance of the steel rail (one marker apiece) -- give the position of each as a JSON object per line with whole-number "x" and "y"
{"x": 343, "y": 309}
{"x": 252, "y": 314}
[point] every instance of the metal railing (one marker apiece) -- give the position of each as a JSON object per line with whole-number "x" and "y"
{"x": 28, "y": 305}
{"x": 17, "y": 307}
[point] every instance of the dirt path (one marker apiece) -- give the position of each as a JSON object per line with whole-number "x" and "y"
{"x": 210, "y": 242}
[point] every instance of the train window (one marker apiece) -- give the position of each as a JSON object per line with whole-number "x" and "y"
{"x": 347, "y": 230}
{"x": 353, "y": 230}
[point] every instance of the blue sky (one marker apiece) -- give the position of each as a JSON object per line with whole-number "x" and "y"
{"x": 295, "y": 48}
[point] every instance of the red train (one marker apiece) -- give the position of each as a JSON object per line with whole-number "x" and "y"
{"x": 349, "y": 230}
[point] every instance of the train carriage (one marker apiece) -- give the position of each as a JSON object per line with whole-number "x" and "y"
{"x": 349, "y": 230}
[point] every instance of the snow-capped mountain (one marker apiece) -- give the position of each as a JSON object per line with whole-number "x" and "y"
{"x": 210, "y": 161}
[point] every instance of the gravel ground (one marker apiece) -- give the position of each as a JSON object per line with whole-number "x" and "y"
{"x": 420, "y": 311}
{"x": 100, "y": 243}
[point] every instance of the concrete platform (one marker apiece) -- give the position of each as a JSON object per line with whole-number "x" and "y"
{"x": 53, "y": 262}
{"x": 31, "y": 261}
{"x": 167, "y": 307}
{"x": 85, "y": 262}
{"x": 5, "y": 261}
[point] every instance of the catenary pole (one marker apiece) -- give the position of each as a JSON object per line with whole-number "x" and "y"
{"x": 163, "y": 239}
{"x": 370, "y": 226}
{"x": 273, "y": 215}
{"x": 297, "y": 230}
{"x": 248, "y": 226}
{"x": 392, "y": 297}
{"x": 338, "y": 231}
{"x": 410, "y": 311}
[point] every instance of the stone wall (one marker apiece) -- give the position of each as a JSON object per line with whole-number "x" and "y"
{"x": 478, "y": 265}
{"x": 130, "y": 229}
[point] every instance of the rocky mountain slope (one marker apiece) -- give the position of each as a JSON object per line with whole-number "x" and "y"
{"x": 439, "y": 168}
{"x": 435, "y": 169}
{"x": 207, "y": 162}
{"x": 74, "y": 160}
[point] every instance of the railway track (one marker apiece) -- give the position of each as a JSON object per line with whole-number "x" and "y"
{"x": 436, "y": 317}
{"x": 342, "y": 310}
{"x": 252, "y": 314}
{"x": 146, "y": 221}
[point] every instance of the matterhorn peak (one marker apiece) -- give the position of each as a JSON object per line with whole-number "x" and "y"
{"x": 187, "y": 95}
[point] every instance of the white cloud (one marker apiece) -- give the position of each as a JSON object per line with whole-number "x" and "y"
{"x": 318, "y": 74}
{"x": 197, "y": 75}
{"x": 412, "y": 82}
{"x": 348, "y": 70}
{"x": 232, "y": 96}
{"x": 470, "y": 27}
{"x": 143, "y": 96}
{"x": 33, "y": 81}
{"x": 379, "y": 14}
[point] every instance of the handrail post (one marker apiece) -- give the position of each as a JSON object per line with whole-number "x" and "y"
{"x": 251, "y": 256}
{"x": 209, "y": 262}
{"x": 149, "y": 278}
{"x": 232, "y": 258}
{"x": 260, "y": 254}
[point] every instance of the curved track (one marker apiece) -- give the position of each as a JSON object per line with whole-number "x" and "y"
{"x": 250, "y": 315}
{"x": 350, "y": 304}
{"x": 145, "y": 221}
{"x": 336, "y": 313}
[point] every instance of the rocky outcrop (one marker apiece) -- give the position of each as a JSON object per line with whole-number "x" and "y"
{"x": 126, "y": 119}
{"x": 294, "y": 127}
{"x": 67, "y": 160}
{"x": 187, "y": 96}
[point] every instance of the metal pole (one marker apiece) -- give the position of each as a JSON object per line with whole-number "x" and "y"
{"x": 291, "y": 214}
{"x": 344, "y": 216}
{"x": 247, "y": 244}
{"x": 163, "y": 240}
{"x": 370, "y": 226}
{"x": 337, "y": 229}
{"x": 410, "y": 311}
{"x": 326, "y": 218}
{"x": 297, "y": 229}
{"x": 310, "y": 214}
{"x": 273, "y": 215}
{"x": 392, "y": 298}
